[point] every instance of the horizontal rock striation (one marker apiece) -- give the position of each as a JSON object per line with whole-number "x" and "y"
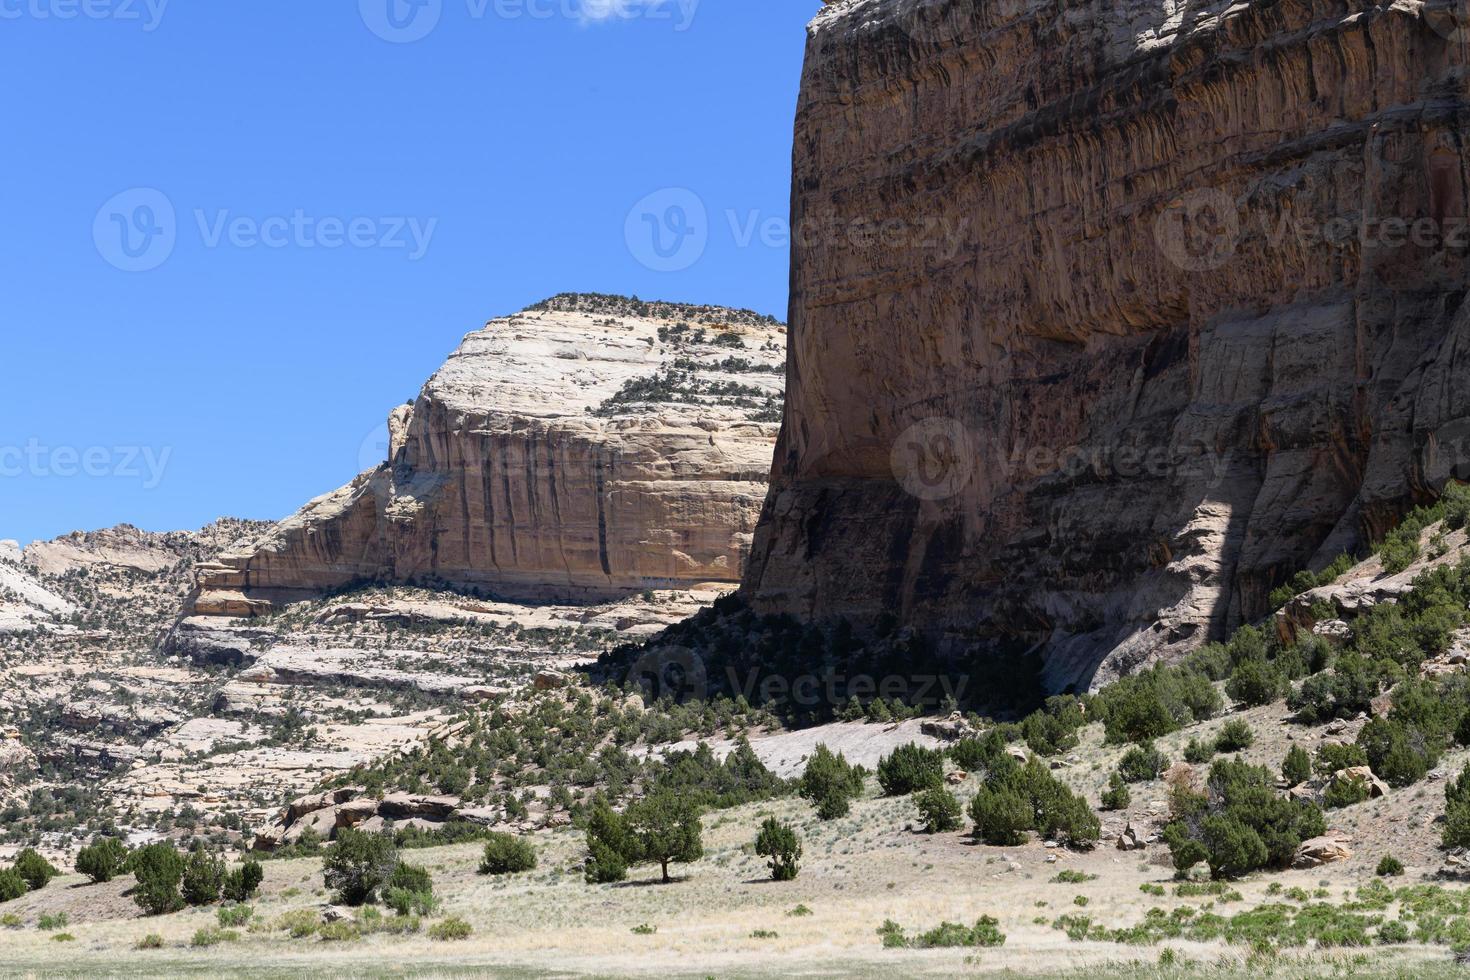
{"x": 1108, "y": 317}
{"x": 583, "y": 449}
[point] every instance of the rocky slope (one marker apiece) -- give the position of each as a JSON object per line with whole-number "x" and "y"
{"x": 1106, "y": 318}
{"x": 585, "y": 448}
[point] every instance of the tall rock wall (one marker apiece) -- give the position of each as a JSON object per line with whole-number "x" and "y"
{"x": 585, "y": 448}
{"x": 1107, "y": 317}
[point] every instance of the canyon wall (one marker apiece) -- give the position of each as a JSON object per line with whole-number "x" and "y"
{"x": 1108, "y": 317}
{"x": 583, "y": 449}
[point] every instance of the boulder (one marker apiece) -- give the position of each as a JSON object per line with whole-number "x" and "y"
{"x": 950, "y": 729}
{"x": 1327, "y": 849}
{"x": 956, "y": 777}
{"x": 1376, "y": 786}
{"x": 356, "y": 812}
{"x": 482, "y": 816}
{"x": 303, "y": 805}
{"x": 322, "y": 822}
{"x": 1334, "y": 631}
{"x": 407, "y": 806}
{"x": 549, "y": 680}
{"x": 1131, "y": 840}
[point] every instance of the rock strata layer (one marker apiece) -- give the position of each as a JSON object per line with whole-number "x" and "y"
{"x": 1108, "y": 317}
{"x": 586, "y": 448}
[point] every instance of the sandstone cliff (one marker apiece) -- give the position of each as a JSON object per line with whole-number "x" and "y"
{"x": 587, "y": 447}
{"x": 1107, "y": 317}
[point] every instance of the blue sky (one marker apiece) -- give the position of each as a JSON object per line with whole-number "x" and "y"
{"x": 239, "y": 231}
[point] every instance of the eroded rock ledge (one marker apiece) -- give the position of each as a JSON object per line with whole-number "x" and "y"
{"x": 1141, "y": 335}
{"x": 585, "y": 448}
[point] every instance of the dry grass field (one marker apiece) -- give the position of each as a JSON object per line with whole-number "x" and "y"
{"x": 724, "y": 918}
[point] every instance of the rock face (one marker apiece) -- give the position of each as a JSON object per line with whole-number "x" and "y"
{"x": 1107, "y": 318}
{"x": 588, "y": 447}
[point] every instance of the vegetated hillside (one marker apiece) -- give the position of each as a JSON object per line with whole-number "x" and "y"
{"x": 84, "y": 682}
{"x": 1290, "y": 802}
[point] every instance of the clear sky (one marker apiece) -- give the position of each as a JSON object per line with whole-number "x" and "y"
{"x": 237, "y": 232}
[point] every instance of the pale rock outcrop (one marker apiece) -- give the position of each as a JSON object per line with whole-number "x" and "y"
{"x": 586, "y": 448}
{"x": 1103, "y": 321}
{"x": 1364, "y": 775}
{"x": 1327, "y": 849}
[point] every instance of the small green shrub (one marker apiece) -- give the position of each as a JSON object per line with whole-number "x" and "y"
{"x": 1197, "y": 752}
{"x": 241, "y": 884}
{"x": 1068, "y": 876}
{"x": 1234, "y": 735}
{"x": 911, "y": 768}
{"x": 1001, "y": 817}
{"x": 299, "y": 923}
{"x": 12, "y": 886}
{"x": 1142, "y": 763}
{"x": 939, "y": 811}
{"x": 204, "y": 877}
{"x": 830, "y": 783}
{"x": 340, "y": 931}
{"x": 1390, "y": 866}
{"x": 233, "y": 916}
{"x": 1399, "y": 754}
{"x": 507, "y": 854}
{"x": 159, "y": 869}
{"x": 778, "y": 842}
{"x": 408, "y": 890}
{"x": 103, "y": 859}
{"x": 1116, "y": 796}
{"x": 1296, "y": 768}
{"x": 151, "y": 941}
{"x": 984, "y": 933}
{"x": 48, "y": 922}
{"x": 452, "y": 928}
{"x": 357, "y": 864}
{"x": 35, "y": 870}
{"x": 1457, "y": 810}
{"x": 644, "y": 929}
{"x": 1256, "y": 682}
